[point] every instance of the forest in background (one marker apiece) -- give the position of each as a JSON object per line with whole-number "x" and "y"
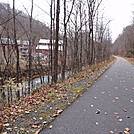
{"x": 124, "y": 44}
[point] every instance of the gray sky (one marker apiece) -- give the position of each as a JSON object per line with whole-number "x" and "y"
{"x": 119, "y": 11}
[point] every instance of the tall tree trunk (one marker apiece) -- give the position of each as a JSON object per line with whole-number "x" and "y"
{"x": 76, "y": 58}
{"x": 16, "y": 48}
{"x": 89, "y": 35}
{"x": 55, "y": 72}
{"x": 81, "y": 38}
{"x": 30, "y": 49}
{"x": 64, "y": 43}
{"x": 66, "y": 20}
{"x": 51, "y": 37}
{"x": 92, "y": 42}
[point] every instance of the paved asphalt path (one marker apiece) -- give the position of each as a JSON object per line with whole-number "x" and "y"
{"x": 112, "y": 95}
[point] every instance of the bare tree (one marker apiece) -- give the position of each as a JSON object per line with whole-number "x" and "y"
{"x": 30, "y": 48}
{"x": 55, "y": 71}
{"x": 16, "y": 48}
{"x": 66, "y": 20}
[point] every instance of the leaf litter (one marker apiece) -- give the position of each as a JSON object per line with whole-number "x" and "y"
{"x": 34, "y": 112}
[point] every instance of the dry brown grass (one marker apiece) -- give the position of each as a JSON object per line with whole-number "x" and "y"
{"x": 130, "y": 60}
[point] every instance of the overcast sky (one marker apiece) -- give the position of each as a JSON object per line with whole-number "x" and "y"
{"x": 119, "y": 11}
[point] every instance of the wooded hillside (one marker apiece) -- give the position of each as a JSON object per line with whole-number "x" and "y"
{"x": 124, "y": 44}
{"x": 40, "y": 30}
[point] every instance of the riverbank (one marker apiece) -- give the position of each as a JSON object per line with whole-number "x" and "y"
{"x": 35, "y": 112}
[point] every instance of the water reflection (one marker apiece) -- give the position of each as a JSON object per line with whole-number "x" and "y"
{"x": 8, "y": 94}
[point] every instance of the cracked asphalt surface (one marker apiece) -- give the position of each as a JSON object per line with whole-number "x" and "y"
{"x": 106, "y": 107}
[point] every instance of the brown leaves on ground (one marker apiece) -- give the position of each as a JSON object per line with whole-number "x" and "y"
{"x": 126, "y": 131}
{"x": 98, "y": 111}
{"x": 130, "y": 60}
{"x": 1, "y": 127}
{"x": 46, "y": 94}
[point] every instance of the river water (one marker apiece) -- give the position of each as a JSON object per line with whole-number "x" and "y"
{"x": 35, "y": 84}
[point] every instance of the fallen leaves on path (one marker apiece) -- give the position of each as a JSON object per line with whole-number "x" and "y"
{"x": 116, "y": 113}
{"x": 120, "y": 120}
{"x": 126, "y": 132}
{"x": 106, "y": 113}
{"x": 124, "y": 110}
{"x": 117, "y": 98}
{"x": 92, "y": 105}
{"x": 97, "y": 123}
{"x": 131, "y": 100}
{"x": 98, "y": 111}
{"x": 50, "y": 126}
{"x": 127, "y": 129}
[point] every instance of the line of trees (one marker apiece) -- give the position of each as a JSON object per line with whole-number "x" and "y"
{"x": 85, "y": 34}
{"x": 86, "y": 37}
{"x": 124, "y": 44}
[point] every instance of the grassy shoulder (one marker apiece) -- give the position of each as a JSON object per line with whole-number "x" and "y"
{"x": 131, "y": 60}
{"x": 32, "y": 114}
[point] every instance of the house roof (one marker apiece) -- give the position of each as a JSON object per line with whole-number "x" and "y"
{"x": 47, "y": 41}
{"x": 6, "y": 41}
{"x": 24, "y": 42}
{"x": 9, "y": 41}
{"x": 47, "y": 47}
{"x": 44, "y": 47}
{"x": 60, "y": 41}
{"x": 44, "y": 41}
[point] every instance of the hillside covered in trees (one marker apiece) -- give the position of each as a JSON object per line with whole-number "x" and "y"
{"x": 40, "y": 30}
{"x": 124, "y": 44}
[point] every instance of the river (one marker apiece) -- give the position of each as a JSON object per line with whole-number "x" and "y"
{"x": 35, "y": 84}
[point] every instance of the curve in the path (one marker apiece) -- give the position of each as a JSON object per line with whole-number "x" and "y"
{"x": 106, "y": 107}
